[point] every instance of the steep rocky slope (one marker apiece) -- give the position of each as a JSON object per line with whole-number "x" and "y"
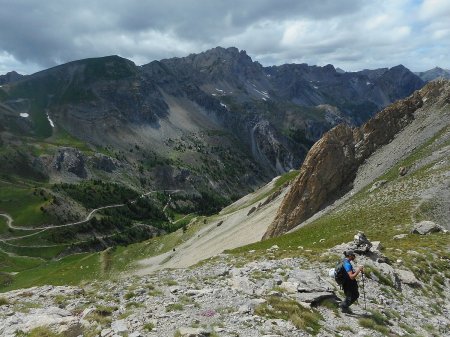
{"x": 331, "y": 165}
{"x": 234, "y": 296}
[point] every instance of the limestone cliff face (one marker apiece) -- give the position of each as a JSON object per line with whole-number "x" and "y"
{"x": 331, "y": 165}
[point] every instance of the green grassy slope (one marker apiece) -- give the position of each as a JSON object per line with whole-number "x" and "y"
{"x": 387, "y": 211}
{"x": 110, "y": 263}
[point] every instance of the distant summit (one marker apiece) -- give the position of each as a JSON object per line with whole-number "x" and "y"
{"x": 434, "y": 73}
{"x": 10, "y": 77}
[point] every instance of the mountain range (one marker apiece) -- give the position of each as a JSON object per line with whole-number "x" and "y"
{"x": 212, "y": 126}
{"x": 273, "y": 114}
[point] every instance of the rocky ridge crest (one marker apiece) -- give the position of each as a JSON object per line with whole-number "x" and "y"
{"x": 331, "y": 165}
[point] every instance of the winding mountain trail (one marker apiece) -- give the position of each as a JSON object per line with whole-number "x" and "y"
{"x": 10, "y": 220}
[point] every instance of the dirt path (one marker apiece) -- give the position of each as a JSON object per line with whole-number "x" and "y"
{"x": 9, "y": 219}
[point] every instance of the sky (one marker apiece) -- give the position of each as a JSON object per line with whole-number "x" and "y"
{"x": 350, "y": 34}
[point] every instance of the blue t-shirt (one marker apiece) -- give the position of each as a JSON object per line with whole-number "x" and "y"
{"x": 347, "y": 265}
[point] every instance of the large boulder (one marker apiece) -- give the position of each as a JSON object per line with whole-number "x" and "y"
{"x": 407, "y": 277}
{"x": 426, "y": 227}
{"x": 361, "y": 245}
{"x": 57, "y": 320}
{"x": 309, "y": 287}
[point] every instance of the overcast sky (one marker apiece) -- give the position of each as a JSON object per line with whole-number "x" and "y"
{"x": 350, "y": 34}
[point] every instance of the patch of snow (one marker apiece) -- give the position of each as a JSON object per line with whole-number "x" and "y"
{"x": 315, "y": 87}
{"x": 264, "y": 99}
{"x": 224, "y": 105}
{"x": 268, "y": 75}
{"x": 50, "y": 121}
{"x": 368, "y": 83}
{"x": 262, "y": 93}
{"x": 24, "y": 115}
{"x": 220, "y": 90}
{"x": 214, "y": 94}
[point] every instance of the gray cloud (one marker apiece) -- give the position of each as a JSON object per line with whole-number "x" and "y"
{"x": 350, "y": 33}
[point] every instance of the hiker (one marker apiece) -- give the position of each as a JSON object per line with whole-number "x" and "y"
{"x": 349, "y": 283}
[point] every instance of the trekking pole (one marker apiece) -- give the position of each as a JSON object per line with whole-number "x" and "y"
{"x": 364, "y": 292}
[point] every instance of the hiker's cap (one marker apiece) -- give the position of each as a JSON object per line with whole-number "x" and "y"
{"x": 349, "y": 253}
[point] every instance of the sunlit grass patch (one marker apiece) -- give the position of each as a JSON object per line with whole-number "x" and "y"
{"x": 290, "y": 310}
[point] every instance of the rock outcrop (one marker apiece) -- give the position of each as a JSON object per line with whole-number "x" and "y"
{"x": 426, "y": 227}
{"x": 104, "y": 163}
{"x": 217, "y": 298}
{"x": 70, "y": 161}
{"x": 331, "y": 165}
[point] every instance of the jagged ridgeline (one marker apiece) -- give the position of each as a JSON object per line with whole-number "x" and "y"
{"x": 152, "y": 145}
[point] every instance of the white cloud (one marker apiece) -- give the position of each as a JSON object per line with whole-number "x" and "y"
{"x": 8, "y": 63}
{"x": 433, "y": 9}
{"x": 351, "y": 34}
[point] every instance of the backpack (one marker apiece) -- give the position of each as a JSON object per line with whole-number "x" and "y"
{"x": 339, "y": 273}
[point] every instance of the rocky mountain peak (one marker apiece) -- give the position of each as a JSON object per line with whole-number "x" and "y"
{"x": 330, "y": 166}
{"x": 10, "y": 77}
{"x": 434, "y": 73}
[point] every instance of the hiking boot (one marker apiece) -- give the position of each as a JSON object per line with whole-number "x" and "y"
{"x": 345, "y": 310}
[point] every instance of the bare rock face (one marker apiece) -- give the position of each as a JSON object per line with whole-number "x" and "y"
{"x": 331, "y": 165}
{"x": 105, "y": 163}
{"x": 319, "y": 176}
{"x": 70, "y": 160}
{"x": 270, "y": 148}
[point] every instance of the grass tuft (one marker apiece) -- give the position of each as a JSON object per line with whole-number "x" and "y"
{"x": 290, "y": 310}
{"x": 370, "y": 323}
{"x": 149, "y": 326}
{"x": 174, "y": 307}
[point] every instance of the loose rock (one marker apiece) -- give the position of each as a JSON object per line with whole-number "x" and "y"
{"x": 426, "y": 227}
